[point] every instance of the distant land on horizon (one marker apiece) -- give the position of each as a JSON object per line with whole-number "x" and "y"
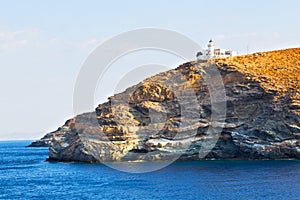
{"x": 20, "y": 136}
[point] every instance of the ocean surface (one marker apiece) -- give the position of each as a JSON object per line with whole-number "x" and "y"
{"x": 24, "y": 174}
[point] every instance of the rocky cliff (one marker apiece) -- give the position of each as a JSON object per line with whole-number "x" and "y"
{"x": 169, "y": 116}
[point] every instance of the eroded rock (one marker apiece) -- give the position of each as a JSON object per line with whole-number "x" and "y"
{"x": 147, "y": 122}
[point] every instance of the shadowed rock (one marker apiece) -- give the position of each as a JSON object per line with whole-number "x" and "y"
{"x": 168, "y": 116}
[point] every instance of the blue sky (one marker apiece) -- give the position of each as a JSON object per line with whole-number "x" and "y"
{"x": 44, "y": 43}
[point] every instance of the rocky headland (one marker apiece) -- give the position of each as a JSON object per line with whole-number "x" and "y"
{"x": 169, "y": 115}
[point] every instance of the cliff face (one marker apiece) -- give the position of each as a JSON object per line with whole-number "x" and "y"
{"x": 150, "y": 121}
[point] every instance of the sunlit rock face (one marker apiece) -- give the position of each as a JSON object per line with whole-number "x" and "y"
{"x": 167, "y": 116}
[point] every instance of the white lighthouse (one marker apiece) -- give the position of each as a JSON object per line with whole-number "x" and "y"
{"x": 211, "y": 49}
{"x": 213, "y": 52}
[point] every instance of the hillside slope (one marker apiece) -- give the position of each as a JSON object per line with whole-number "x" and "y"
{"x": 158, "y": 119}
{"x": 277, "y": 71}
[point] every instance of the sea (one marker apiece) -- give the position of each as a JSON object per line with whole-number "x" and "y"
{"x": 24, "y": 174}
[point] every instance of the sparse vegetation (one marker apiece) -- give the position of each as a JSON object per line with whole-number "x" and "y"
{"x": 277, "y": 71}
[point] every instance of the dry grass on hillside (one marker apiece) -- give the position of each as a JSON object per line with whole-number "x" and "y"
{"x": 277, "y": 71}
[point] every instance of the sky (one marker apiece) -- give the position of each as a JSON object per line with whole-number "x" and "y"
{"x": 43, "y": 45}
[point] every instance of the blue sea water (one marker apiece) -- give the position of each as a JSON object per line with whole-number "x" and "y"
{"x": 24, "y": 174}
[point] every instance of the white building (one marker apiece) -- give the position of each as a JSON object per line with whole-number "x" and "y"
{"x": 213, "y": 52}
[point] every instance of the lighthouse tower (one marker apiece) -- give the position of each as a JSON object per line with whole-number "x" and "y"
{"x": 211, "y": 49}
{"x": 211, "y": 52}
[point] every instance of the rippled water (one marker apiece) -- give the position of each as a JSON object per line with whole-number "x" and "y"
{"x": 25, "y": 175}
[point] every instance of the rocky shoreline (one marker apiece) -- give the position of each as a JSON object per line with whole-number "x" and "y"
{"x": 151, "y": 122}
